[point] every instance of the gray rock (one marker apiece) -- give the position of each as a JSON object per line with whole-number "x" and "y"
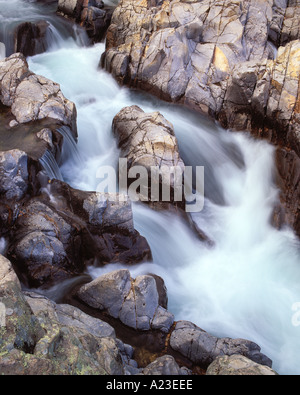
{"x": 107, "y": 292}
{"x": 203, "y": 348}
{"x": 69, "y": 316}
{"x": 216, "y": 58}
{"x": 13, "y": 174}
{"x": 32, "y": 97}
{"x": 31, "y": 38}
{"x": 148, "y": 140}
{"x": 134, "y": 302}
{"x": 109, "y": 210}
{"x": 63, "y": 229}
{"x": 237, "y": 365}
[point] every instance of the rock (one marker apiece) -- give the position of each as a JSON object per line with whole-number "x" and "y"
{"x": 69, "y": 316}
{"x": 216, "y": 58}
{"x": 288, "y": 179}
{"x": 237, "y": 365}
{"x": 71, "y": 8}
{"x": 63, "y": 230}
{"x": 203, "y": 348}
{"x": 107, "y": 292}
{"x": 31, "y": 38}
{"x": 90, "y": 14}
{"x": 13, "y": 174}
{"x": 134, "y": 302}
{"x": 148, "y": 140}
{"x": 32, "y": 97}
{"x": 38, "y": 337}
{"x": 180, "y": 46}
{"x": 165, "y": 365}
{"x": 19, "y": 328}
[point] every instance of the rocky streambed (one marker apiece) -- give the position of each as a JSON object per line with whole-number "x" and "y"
{"x": 236, "y": 62}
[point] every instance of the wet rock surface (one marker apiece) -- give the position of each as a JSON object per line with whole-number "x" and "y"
{"x": 57, "y": 241}
{"x": 149, "y": 141}
{"x": 31, "y": 38}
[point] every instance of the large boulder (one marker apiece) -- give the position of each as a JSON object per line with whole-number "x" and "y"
{"x": 183, "y": 51}
{"x": 149, "y": 141}
{"x": 32, "y": 97}
{"x": 58, "y": 233}
{"x": 31, "y": 38}
{"x": 13, "y": 174}
{"x": 202, "y": 348}
{"x": 38, "y": 337}
{"x": 92, "y": 15}
{"x": 135, "y": 302}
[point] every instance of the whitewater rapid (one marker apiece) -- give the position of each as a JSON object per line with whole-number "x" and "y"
{"x": 247, "y": 284}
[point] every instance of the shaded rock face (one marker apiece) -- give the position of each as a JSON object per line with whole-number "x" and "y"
{"x": 13, "y": 174}
{"x": 217, "y": 58}
{"x": 54, "y": 236}
{"x": 53, "y": 230}
{"x": 31, "y": 38}
{"x": 90, "y": 14}
{"x": 148, "y": 140}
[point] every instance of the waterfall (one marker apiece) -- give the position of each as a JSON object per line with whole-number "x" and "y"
{"x": 246, "y": 284}
{"x": 3, "y": 246}
{"x": 50, "y": 166}
{"x": 69, "y": 149}
{"x": 2, "y": 51}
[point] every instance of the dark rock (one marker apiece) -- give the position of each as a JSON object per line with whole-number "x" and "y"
{"x": 203, "y": 348}
{"x": 31, "y": 38}
{"x": 57, "y": 234}
{"x": 148, "y": 140}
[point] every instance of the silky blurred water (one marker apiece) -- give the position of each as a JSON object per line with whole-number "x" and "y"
{"x": 246, "y": 284}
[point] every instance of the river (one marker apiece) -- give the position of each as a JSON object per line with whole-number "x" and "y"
{"x": 247, "y": 285}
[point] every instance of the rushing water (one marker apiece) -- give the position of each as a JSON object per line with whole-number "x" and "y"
{"x": 248, "y": 283}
